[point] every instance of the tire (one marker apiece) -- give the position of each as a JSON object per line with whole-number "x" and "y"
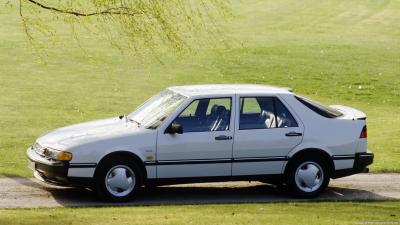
{"x": 117, "y": 179}
{"x": 307, "y": 176}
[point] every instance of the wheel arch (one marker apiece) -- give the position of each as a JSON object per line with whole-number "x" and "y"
{"x": 128, "y": 154}
{"x": 311, "y": 152}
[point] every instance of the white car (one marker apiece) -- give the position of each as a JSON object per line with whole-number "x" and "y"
{"x": 208, "y": 133}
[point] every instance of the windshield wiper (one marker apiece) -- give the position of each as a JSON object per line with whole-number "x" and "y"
{"x": 132, "y": 120}
{"x": 127, "y": 119}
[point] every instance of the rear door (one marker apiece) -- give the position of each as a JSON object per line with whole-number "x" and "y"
{"x": 265, "y": 132}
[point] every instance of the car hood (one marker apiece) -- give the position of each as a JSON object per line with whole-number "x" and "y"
{"x": 69, "y": 136}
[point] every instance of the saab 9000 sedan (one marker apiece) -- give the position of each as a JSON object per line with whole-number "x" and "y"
{"x": 208, "y": 133}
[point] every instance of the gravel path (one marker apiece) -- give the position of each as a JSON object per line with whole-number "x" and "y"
{"x": 27, "y": 192}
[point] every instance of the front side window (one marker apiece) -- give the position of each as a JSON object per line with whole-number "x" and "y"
{"x": 264, "y": 113}
{"x": 154, "y": 111}
{"x": 206, "y": 115}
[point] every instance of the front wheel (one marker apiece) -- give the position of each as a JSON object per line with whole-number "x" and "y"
{"x": 117, "y": 179}
{"x": 307, "y": 177}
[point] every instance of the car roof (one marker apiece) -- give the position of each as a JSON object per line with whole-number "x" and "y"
{"x": 207, "y": 89}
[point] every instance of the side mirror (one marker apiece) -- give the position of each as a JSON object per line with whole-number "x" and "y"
{"x": 174, "y": 128}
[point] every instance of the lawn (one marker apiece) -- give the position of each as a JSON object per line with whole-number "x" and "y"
{"x": 277, "y": 213}
{"x": 338, "y": 52}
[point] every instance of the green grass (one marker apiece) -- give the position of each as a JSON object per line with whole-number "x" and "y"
{"x": 278, "y": 213}
{"x": 337, "y": 52}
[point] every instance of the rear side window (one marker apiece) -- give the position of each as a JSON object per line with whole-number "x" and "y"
{"x": 320, "y": 109}
{"x": 284, "y": 118}
{"x": 264, "y": 113}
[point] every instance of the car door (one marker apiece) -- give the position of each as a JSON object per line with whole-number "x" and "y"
{"x": 265, "y": 132}
{"x": 204, "y": 148}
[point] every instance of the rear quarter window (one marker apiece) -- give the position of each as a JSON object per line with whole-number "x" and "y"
{"x": 319, "y": 108}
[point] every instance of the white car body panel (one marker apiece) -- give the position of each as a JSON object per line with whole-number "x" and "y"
{"x": 94, "y": 140}
{"x": 195, "y": 146}
{"x": 262, "y": 143}
{"x": 335, "y": 136}
{"x": 198, "y": 154}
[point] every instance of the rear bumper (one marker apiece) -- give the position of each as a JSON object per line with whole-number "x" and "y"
{"x": 54, "y": 172}
{"x": 361, "y": 161}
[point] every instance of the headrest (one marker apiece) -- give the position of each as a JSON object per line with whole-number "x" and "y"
{"x": 217, "y": 109}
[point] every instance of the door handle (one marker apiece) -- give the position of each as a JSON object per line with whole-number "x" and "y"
{"x": 223, "y": 137}
{"x": 293, "y": 134}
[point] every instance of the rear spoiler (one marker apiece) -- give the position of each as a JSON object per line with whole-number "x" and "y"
{"x": 350, "y": 112}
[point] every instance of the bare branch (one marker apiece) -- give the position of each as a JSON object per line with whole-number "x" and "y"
{"x": 111, "y": 11}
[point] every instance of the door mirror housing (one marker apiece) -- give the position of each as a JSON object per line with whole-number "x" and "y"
{"x": 174, "y": 128}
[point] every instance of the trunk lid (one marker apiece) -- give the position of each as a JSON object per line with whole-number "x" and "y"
{"x": 350, "y": 113}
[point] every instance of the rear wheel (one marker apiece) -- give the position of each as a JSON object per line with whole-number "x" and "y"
{"x": 117, "y": 179}
{"x": 307, "y": 177}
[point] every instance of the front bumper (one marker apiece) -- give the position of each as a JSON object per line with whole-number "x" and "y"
{"x": 54, "y": 172}
{"x": 361, "y": 162}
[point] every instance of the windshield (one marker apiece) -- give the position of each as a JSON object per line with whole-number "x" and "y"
{"x": 322, "y": 110}
{"x": 155, "y": 110}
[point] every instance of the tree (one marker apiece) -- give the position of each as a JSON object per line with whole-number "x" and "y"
{"x": 151, "y": 26}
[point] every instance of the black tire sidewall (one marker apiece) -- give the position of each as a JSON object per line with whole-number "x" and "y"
{"x": 102, "y": 171}
{"x": 293, "y": 189}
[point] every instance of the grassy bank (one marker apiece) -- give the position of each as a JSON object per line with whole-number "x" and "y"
{"x": 279, "y": 213}
{"x": 338, "y": 52}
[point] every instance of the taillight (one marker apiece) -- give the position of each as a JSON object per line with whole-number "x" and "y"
{"x": 364, "y": 133}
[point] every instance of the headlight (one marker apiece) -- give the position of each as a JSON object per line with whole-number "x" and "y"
{"x": 57, "y": 155}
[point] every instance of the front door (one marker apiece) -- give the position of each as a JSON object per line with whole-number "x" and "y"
{"x": 204, "y": 149}
{"x": 265, "y": 133}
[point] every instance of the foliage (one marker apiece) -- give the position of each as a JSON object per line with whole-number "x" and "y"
{"x": 141, "y": 27}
